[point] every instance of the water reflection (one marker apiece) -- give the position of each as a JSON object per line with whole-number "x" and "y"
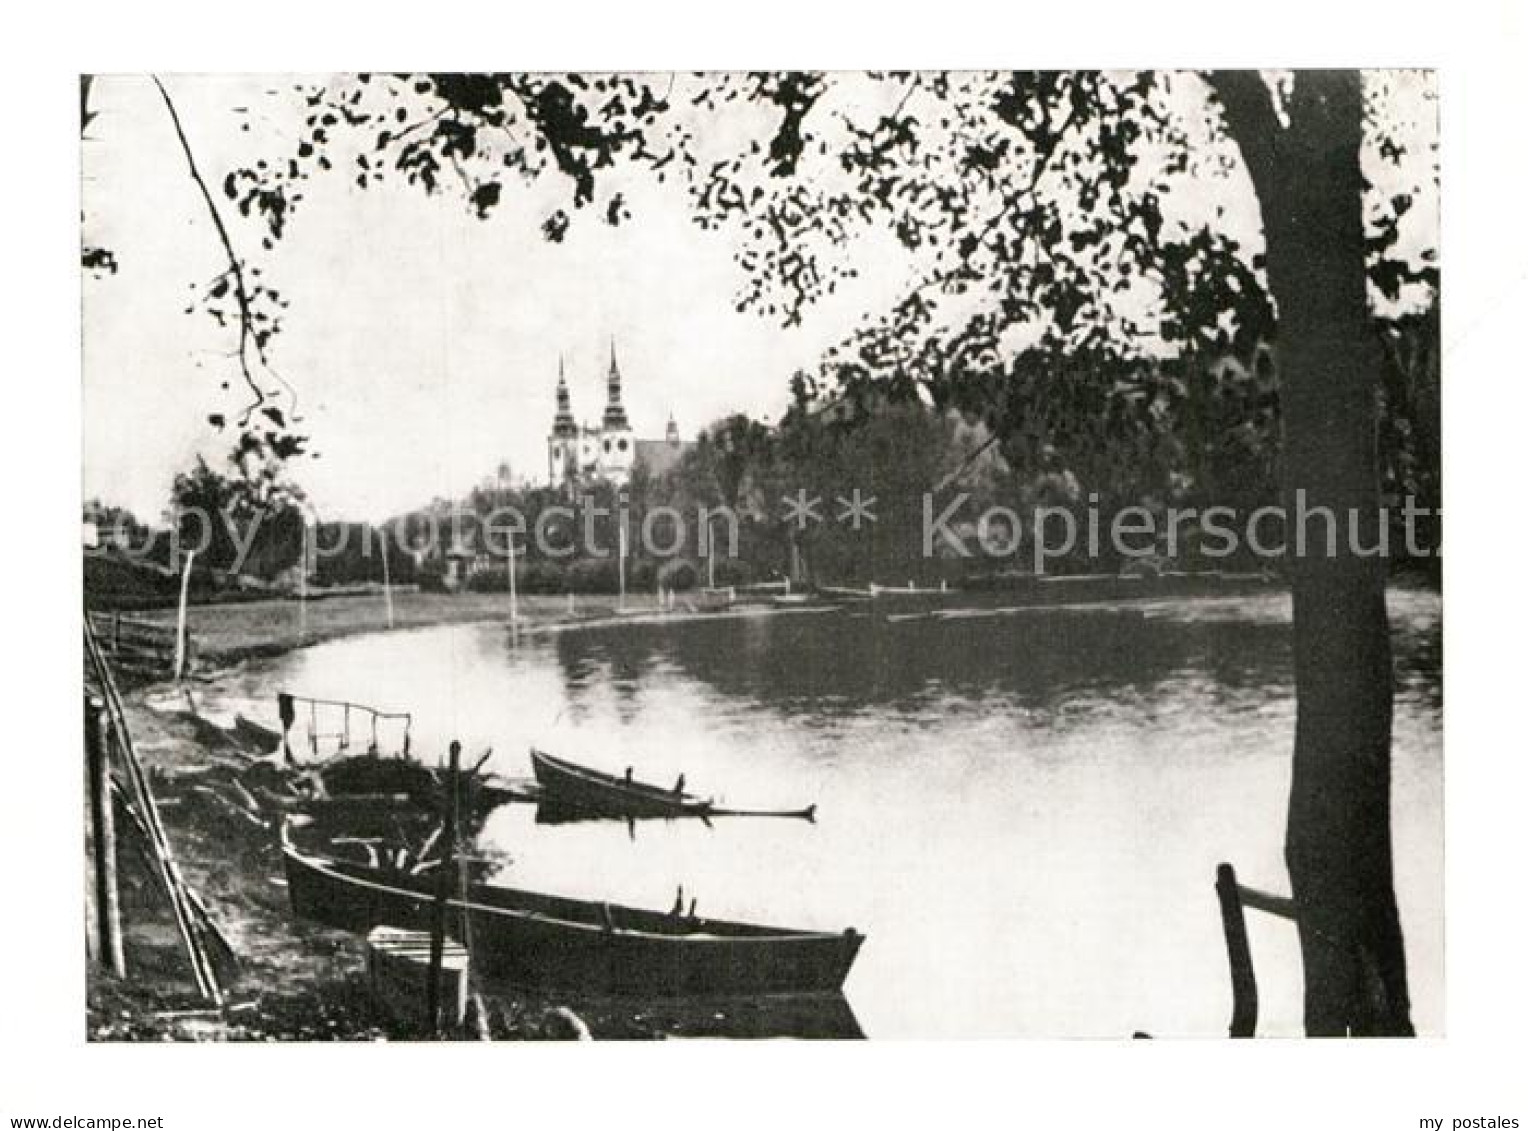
{"x": 847, "y": 663}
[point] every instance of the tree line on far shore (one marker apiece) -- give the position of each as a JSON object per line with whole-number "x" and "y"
{"x": 1090, "y": 433}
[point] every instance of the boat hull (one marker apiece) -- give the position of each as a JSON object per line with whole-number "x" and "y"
{"x": 557, "y": 943}
{"x": 568, "y": 789}
{"x": 369, "y": 774}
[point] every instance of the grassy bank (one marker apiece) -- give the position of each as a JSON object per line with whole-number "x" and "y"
{"x": 227, "y": 633}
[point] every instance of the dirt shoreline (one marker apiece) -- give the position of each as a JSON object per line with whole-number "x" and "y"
{"x": 226, "y": 634}
{"x": 293, "y": 980}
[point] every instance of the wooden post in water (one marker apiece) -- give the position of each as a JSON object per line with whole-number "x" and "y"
{"x": 621, "y": 563}
{"x": 514, "y": 598}
{"x": 443, "y": 886}
{"x": 387, "y": 581}
{"x": 710, "y": 563}
{"x": 103, "y": 834}
{"x": 1243, "y": 980}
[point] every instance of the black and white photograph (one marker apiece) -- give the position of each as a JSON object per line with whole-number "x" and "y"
{"x": 795, "y": 566}
{"x": 824, "y": 554}
{"x": 922, "y": 554}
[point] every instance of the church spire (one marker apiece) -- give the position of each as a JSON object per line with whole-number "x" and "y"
{"x": 615, "y": 412}
{"x": 563, "y": 423}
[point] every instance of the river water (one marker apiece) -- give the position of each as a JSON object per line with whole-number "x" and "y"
{"x": 1023, "y": 810}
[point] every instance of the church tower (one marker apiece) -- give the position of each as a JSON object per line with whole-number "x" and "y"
{"x": 562, "y": 444}
{"x": 618, "y": 447}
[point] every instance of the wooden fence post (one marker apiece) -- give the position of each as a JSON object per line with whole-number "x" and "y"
{"x": 443, "y": 887}
{"x": 103, "y": 834}
{"x": 387, "y": 581}
{"x": 1243, "y": 980}
{"x": 180, "y": 620}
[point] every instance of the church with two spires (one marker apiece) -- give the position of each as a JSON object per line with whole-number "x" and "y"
{"x": 579, "y": 454}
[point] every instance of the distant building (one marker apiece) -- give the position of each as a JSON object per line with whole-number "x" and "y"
{"x": 461, "y": 563}
{"x": 108, "y": 528}
{"x": 580, "y": 453}
{"x": 500, "y": 481}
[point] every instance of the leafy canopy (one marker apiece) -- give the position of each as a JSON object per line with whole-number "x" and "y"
{"x": 1050, "y": 215}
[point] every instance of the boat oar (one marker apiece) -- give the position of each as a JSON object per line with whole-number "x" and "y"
{"x": 807, "y": 814}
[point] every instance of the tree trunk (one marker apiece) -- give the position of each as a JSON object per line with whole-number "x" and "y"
{"x": 1337, "y": 844}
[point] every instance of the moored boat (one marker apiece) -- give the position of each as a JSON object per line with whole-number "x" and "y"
{"x": 573, "y": 944}
{"x": 569, "y": 791}
{"x": 381, "y": 779}
{"x": 256, "y": 735}
{"x": 711, "y": 600}
{"x": 844, "y": 593}
{"x": 580, "y": 788}
{"x": 373, "y": 774}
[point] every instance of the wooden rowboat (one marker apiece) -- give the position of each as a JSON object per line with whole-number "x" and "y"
{"x": 255, "y": 735}
{"x": 571, "y": 789}
{"x": 572, "y": 944}
{"x": 372, "y": 774}
{"x": 375, "y": 779}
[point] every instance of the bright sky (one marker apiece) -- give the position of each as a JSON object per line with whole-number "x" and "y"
{"x": 422, "y": 341}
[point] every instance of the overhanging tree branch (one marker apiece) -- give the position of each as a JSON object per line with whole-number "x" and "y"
{"x": 247, "y": 337}
{"x": 1009, "y": 203}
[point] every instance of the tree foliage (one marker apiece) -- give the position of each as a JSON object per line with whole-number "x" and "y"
{"x": 1050, "y": 215}
{"x": 232, "y": 520}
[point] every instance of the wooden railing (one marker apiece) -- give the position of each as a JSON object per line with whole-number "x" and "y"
{"x": 1235, "y": 897}
{"x": 343, "y": 720}
{"x": 142, "y": 647}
